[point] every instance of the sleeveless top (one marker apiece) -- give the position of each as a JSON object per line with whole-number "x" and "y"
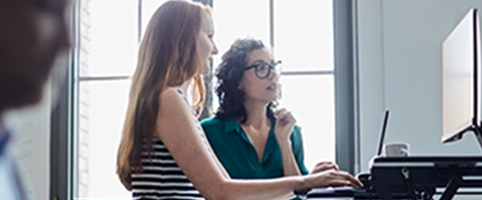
{"x": 161, "y": 177}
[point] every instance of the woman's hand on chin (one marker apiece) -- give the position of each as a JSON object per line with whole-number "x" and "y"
{"x": 285, "y": 122}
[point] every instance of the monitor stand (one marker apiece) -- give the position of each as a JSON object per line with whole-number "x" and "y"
{"x": 478, "y": 133}
{"x": 477, "y": 130}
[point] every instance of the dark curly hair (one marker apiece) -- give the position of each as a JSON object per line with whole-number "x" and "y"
{"x": 229, "y": 74}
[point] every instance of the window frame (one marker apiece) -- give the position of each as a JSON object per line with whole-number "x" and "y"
{"x": 346, "y": 141}
{"x": 62, "y": 140}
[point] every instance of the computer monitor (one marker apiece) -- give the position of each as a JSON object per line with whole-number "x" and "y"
{"x": 461, "y": 79}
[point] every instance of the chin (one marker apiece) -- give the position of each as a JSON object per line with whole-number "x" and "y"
{"x": 206, "y": 70}
{"x": 28, "y": 95}
{"x": 272, "y": 98}
{"x": 24, "y": 100}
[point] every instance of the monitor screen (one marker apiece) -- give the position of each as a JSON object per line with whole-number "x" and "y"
{"x": 460, "y": 78}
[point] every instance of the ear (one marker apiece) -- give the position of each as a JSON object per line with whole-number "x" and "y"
{"x": 241, "y": 84}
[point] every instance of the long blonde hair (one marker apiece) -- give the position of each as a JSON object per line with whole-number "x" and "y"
{"x": 167, "y": 57}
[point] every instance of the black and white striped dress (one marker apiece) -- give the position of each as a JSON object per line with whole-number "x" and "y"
{"x": 163, "y": 179}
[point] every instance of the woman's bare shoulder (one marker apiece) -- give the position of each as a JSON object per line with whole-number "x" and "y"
{"x": 172, "y": 100}
{"x": 170, "y": 95}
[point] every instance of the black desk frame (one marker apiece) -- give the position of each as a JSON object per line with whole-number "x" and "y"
{"x": 418, "y": 177}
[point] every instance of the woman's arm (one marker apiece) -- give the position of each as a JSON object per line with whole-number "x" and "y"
{"x": 298, "y": 149}
{"x": 181, "y": 134}
{"x": 290, "y": 166}
{"x": 285, "y": 123}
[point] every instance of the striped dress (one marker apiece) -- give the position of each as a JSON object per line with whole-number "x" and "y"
{"x": 161, "y": 177}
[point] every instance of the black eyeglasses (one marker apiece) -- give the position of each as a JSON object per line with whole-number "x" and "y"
{"x": 262, "y": 69}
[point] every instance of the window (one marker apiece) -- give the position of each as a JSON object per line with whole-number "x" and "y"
{"x": 107, "y": 57}
{"x": 109, "y": 35}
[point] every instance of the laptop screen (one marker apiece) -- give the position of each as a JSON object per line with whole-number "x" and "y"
{"x": 382, "y": 136}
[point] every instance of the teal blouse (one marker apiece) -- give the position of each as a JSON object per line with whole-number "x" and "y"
{"x": 238, "y": 156}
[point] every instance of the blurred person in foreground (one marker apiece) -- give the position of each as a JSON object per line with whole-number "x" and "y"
{"x": 32, "y": 34}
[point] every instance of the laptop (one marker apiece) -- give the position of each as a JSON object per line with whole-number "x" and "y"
{"x": 367, "y": 191}
{"x": 384, "y": 130}
{"x": 364, "y": 177}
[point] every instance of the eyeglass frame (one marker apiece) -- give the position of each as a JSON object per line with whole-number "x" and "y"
{"x": 270, "y": 66}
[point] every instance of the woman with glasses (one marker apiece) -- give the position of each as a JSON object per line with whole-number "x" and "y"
{"x": 249, "y": 136}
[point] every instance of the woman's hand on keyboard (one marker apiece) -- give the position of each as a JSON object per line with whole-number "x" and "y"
{"x": 324, "y": 165}
{"x": 332, "y": 177}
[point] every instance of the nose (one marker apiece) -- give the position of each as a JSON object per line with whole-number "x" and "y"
{"x": 215, "y": 49}
{"x": 273, "y": 75}
{"x": 276, "y": 70}
{"x": 64, "y": 37}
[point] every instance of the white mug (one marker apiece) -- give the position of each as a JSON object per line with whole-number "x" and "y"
{"x": 400, "y": 149}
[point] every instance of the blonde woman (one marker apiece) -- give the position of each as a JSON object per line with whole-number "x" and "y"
{"x": 163, "y": 152}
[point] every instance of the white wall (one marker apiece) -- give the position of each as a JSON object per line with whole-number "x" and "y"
{"x": 399, "y": 67}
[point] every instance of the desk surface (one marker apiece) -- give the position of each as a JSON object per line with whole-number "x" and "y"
{"x": 428, "y": 159}
{"x": 340, "y": 192}
{"x": 436, "y": 170}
